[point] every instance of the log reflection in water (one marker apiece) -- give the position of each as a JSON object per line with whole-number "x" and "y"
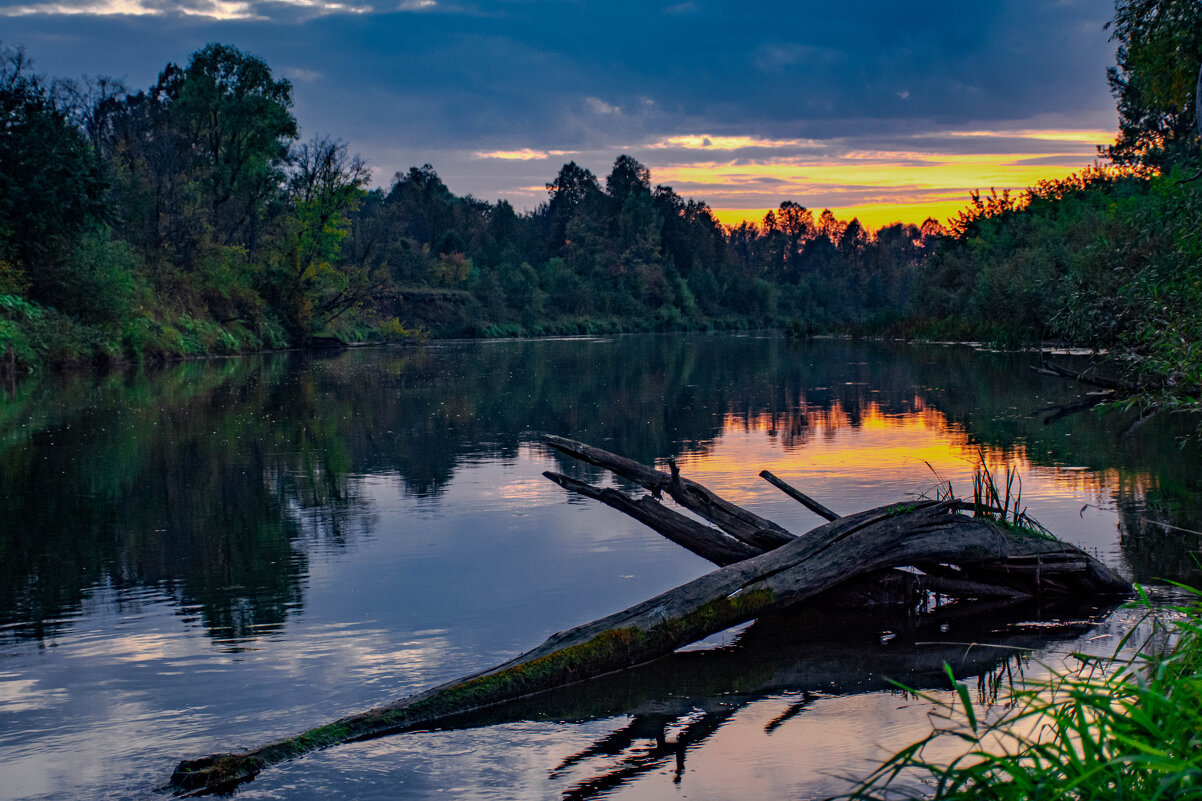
{"x": 677, "y": 703}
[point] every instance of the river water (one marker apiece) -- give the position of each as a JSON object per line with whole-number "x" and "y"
{"x": 217, "y": 554}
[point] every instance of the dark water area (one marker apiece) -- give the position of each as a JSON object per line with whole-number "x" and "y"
{"x": 217, "y": 554}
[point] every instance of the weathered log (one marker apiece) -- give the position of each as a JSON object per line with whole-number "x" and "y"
{"x": 799, "y": 496}
{"x": 1056, "y": 371}
{"x": 854, "y": 545}
{"x": 811, "y": 648}
{"x": 891, "y": 535}
{"x": 708, "y": 543}
{"x": 734, "y": 520}
{"x": 1062, "y": 410}
{"x": 871, "y": 589}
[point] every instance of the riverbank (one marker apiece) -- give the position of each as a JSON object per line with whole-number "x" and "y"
{"x": 234, "y": 550}
{"x": 1124, "y": 726}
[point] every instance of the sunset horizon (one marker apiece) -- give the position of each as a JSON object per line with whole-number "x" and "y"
{"x": 893, "y": 115}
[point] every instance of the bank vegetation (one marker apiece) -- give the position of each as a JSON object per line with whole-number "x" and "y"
{"x": 191, "y": 218}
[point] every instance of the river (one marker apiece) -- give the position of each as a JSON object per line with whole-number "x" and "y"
{"x": 219, "y": 553}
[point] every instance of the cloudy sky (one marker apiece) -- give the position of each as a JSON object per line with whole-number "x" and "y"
{"x": 885, "y": 110}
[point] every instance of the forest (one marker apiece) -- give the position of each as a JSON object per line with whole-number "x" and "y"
{"x": 189, "y": 218}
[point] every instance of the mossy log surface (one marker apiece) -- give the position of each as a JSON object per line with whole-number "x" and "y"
{"x": 923, "y": 532}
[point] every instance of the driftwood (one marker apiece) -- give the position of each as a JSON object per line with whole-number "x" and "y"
{"x": 1109, "y": 390}
{"x": 766, "y": 569}
{"x": 1101, "y": 382}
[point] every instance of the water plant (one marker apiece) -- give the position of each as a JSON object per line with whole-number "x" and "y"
{"x": 1127, "y": 726}
{"x": 1000, "y": 499}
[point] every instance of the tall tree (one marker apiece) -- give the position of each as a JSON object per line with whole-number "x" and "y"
{"x": 51, "y": 186}
{"x": 627, "y": 177}
{"x": 237, "y": 118}
{"x": 1157, "y": 81}
{"x": 325, "y": 186}
{"x": 573, "y": 189}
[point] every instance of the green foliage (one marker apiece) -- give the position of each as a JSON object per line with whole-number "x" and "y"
{"x": 51, "y": 187}
{"x": 393, "y": 330}
{"x": 15, "y": 347}
{"x": 1126, "y": 727}
{"x": 303, "y": 281}
{"x": 1157, "y": 82}
{"x": 235, "y": 121}
{"x": 101, "y": 283}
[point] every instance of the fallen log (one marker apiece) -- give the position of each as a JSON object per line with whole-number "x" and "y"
{"x": 734, "y": 520}
{"x": 799, "y": 496}
{"x": 1056, "y": 371}
{"x": 779, "y": 576}
{"x": 708, "y": 543}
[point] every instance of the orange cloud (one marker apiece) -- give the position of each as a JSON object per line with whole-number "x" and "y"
{"x": 879, "y": 186}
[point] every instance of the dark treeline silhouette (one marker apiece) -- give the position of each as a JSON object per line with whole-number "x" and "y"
{"x": 189, "y": 218}
{"x": 626, "y": 256}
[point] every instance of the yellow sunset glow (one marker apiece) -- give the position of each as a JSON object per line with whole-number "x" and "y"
{"x": 871, "y": 216}
{"x": 824, "y": 451}
{"x": 525, "y": 154}
{"x": 704, "y": 142}
{"x": 885, "y": 176}
{"x": 877, "y": 187}
{"x": 1090, "y": 137}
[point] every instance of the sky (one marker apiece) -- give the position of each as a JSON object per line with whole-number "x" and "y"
{"x": 888, "y": 111}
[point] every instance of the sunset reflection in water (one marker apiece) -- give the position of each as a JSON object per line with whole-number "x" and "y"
{"x": 850, "y": 464}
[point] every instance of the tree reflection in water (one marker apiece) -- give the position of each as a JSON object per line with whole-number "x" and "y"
{"x": 211, "y": 483}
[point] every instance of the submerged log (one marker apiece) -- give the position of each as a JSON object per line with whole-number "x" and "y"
{"x": 1014, "y": 562}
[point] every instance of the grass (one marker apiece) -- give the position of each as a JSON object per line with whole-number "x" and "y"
{"x": 1128, "y": 726}
{"x": 1001, "y": 501}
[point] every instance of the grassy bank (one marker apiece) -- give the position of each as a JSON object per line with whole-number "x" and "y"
{"x": 1123, "y": 727}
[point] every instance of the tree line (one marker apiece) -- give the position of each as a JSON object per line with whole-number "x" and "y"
{"x": 190, "y": 218}
{"x": 1110, "y": 258}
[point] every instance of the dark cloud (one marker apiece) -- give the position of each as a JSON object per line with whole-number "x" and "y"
{"x": 416, "y": 79}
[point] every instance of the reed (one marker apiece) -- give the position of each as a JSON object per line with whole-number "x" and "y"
{"x": 998, "y": 496}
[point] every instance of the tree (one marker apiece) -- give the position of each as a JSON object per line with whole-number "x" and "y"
{"x": 325, "y": 186}
{"x": 573, "y": 188}
{"x": 627, "y": 177}
{"x": 237, "y": 120}
{"x": 797, "y": 224}
{"x": 154, "y": 193}
{"x": 51, "y": 184}
{"x": 424, "y": 203}
{"x": 1157, "y": 82}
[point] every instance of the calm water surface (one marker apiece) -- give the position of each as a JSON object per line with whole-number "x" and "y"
{"x": 218, "y": 554}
